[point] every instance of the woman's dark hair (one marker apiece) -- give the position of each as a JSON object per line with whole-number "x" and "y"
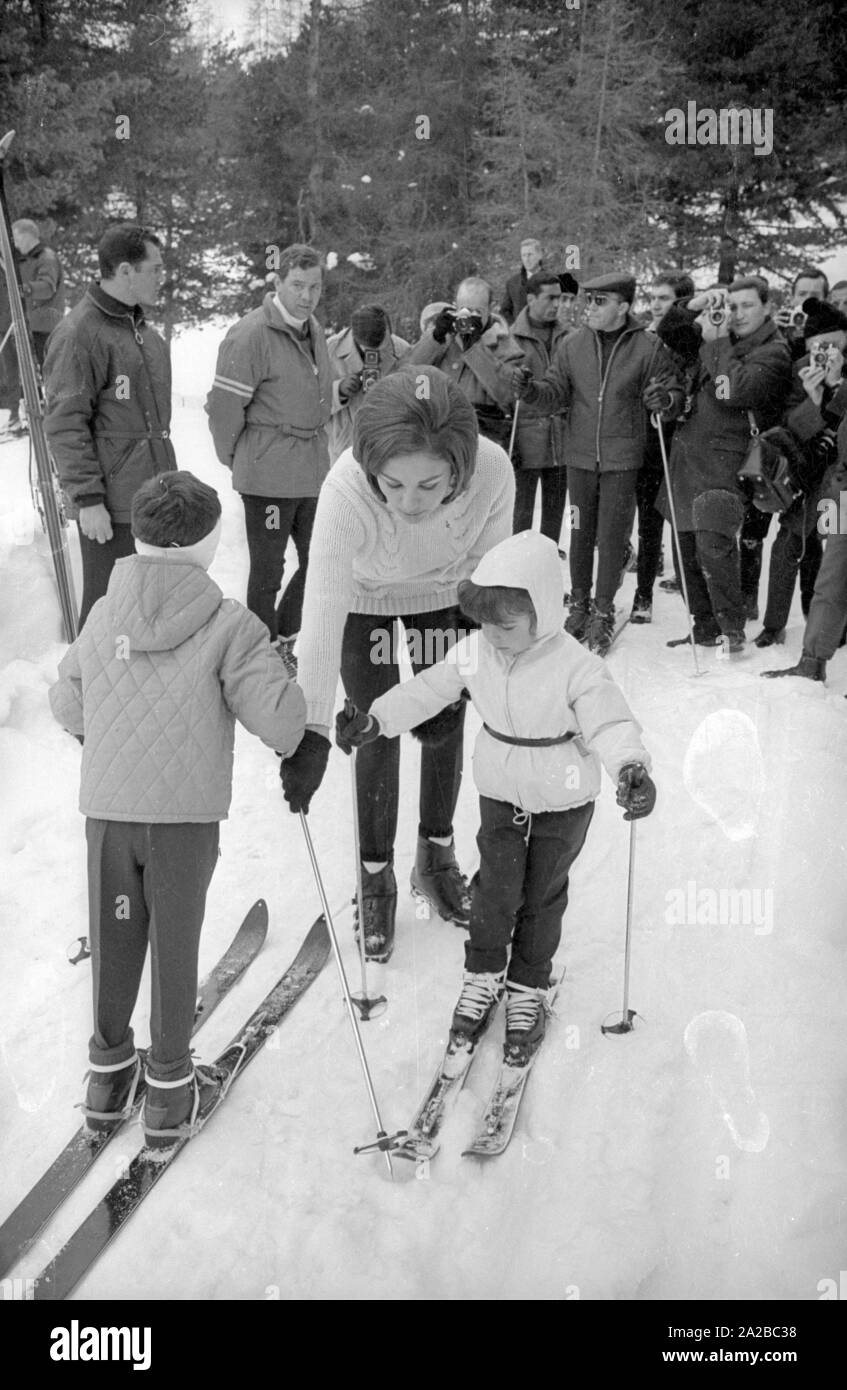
{"x": 416, "y": 410}
{"x": 494, "y": 603}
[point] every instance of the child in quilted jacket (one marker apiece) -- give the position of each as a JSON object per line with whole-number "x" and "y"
{"x": 551, "y": 714}
{"x": 152, "y": 687}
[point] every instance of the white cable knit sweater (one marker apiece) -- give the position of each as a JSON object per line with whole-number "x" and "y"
{"x": 364, "y": 559}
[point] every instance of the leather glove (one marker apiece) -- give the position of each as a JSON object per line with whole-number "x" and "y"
{"x": 442, "y": 325}
{"x": 349, "y": 385}
{"x": 353, "y": 728}
{"x": 657, "y": 398}
{"x": 302, "y": 773}
{"x": 521, "y": 382}
{"x": 636, "y": 791}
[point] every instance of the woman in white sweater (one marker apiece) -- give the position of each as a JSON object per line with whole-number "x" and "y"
{"x": 403, "y": 516}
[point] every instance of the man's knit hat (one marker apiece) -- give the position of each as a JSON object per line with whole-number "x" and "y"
{"x": 174, "y": 509}
{"x": 822, "y": 318}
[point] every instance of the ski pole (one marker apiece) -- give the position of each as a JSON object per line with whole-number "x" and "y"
{"x": 514, "y": 427}
{"x": 7, "y": 335}
{"x": 368, "y": 1008}
{"x": 384, "y": 1140}
{"x": 627, "y": 1014}
{"x": 657, "y": 424}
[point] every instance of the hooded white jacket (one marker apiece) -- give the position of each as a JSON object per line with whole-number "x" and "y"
{"x": 553, "y": 688}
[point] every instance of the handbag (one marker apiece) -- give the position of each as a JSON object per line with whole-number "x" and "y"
{"x": 766, "y": 473}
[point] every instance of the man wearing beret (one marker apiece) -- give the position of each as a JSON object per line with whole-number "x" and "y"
{"x": 606, "y": 377}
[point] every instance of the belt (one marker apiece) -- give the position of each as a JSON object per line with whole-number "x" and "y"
{"x": 530, "y": 742}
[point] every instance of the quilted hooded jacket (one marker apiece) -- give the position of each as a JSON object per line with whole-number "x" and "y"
{"x": 155, "y": 681}
{"x": 554, "y": 687}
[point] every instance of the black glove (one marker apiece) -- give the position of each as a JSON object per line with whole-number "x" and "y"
{"x": 469, "y": 330}
{"x": 657, "y": 398}
{"x": 636, "y": 791}
{"x": 442, "y": 325}
{"x": 303, "y": 772}
{"x": 349, "y": 385}
{"x": 80, "y": 740}
{"x": 521, "y": 381}
{"x": 353, "y": 728}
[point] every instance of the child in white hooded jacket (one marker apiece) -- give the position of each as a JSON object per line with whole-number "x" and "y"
{"x": 551, "y": 715}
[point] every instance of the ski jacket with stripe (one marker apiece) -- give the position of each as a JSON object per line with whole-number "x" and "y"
{"x": 270, "y": 404}
{"x": 554, "y": 688}
{"x": 156, "y": 680}
{"x": 606, "y": 422}
{"x": 107, "y": 383}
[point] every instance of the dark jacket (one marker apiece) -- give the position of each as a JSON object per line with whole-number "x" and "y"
{"x": 270, "y": 404}
{"x": 107, "y": 382}
{"x": 514, "y": 298}
{"x": 539, "y": 433}
{"x": 731, "y": 376}
{"x": 43, "y": 287}
{"x": 606, "y": 424}
{"x": 483, "y": 372}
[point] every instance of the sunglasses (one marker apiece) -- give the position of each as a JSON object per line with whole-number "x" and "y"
{"x": 598, "y": 299}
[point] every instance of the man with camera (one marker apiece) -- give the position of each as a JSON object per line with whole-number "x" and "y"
{"x": 798, "y": 545}
{"x": 740, "y": 378}
{"x": 477, "y": 352}
{"x": 605, "y": 376}
{"x": 359, "y": 356}
{"x": 809, "y": 283}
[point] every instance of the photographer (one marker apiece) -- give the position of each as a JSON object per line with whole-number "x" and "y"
{"x": 742, "y": 367}
{"x": 798, "y": 546}
{"x": 809, "y": 283}
{"x": 476, "y": 351}
{"x": 359, "y": 356}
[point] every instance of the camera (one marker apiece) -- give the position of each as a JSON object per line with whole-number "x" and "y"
{"x": 718, "y": 315}
{"x": 821, "y": 355}
{"x": 798, "y": 319}
{"x": 467, "y": 318}
{"x": 370, "y": 371}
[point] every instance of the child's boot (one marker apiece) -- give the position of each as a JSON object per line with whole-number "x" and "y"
{"x": 526, "y": 1020}
{"x": 577, "y": 620}
{"x": 379, "y": 899}
{"x": 481, "y": 993}
{"x": 438, "y": 879}
{"x": 171, "y": 1108}
{"x": 112, "y": 1091}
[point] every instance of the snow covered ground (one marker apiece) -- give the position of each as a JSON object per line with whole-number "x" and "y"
{"x": 701, "y": 1156}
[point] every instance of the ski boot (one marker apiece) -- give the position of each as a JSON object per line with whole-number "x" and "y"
{"x": 112, "y": 1091}
{"x": 733, "y": 643}
{"x": 601, "y": 629}
{"x": 577, "y": 620}
{"x": 812, "y": 667}
{"x": 481, "y": 993}
{"x": 642, "y": 609}
{"x": 438, "y": 880}
{"x": 379, "y": 899}
{"x": 769, "y": 636}
{"x": 171, "y": 1108}
{"x": 526, "y": 1021}
{"x": 285, "y": 647}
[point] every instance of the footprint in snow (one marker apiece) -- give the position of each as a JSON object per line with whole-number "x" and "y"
{"x": 723, "y": 772}
{"x": 716, "y": 1042}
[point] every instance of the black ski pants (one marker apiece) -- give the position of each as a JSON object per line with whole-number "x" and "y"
{"x": 520, "y": 892}
{"x": 554, "y": 492}
{"x": 147, "y": 884}
{"x": 98, "y": 561}
{"x": 270, "y": 521}
{"x": 603, "y": 510}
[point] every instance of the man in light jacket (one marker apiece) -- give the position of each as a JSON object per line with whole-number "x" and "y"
{"x": 268, "y": 411}
{"x": 359, "y": 356}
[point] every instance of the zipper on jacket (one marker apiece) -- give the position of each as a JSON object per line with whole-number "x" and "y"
{"x": 604, "y": 377}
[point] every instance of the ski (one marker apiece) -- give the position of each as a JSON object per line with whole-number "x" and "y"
{"x": 423, "y": 1137}
{"x": 619, "y": 627}
{"x": 125, "y": 1196}
{"x": 46, "y": 494}
{"x": 22, "y": 1228}
{"x": 498, "y": 1121}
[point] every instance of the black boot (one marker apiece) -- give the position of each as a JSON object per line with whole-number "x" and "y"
{"x": 768, "y": 636}
{"x": 812, "y": 667}
{"x": 577, "y": 620}
{"x": 438, "y": 879}
{"x": 379, "y": 899}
